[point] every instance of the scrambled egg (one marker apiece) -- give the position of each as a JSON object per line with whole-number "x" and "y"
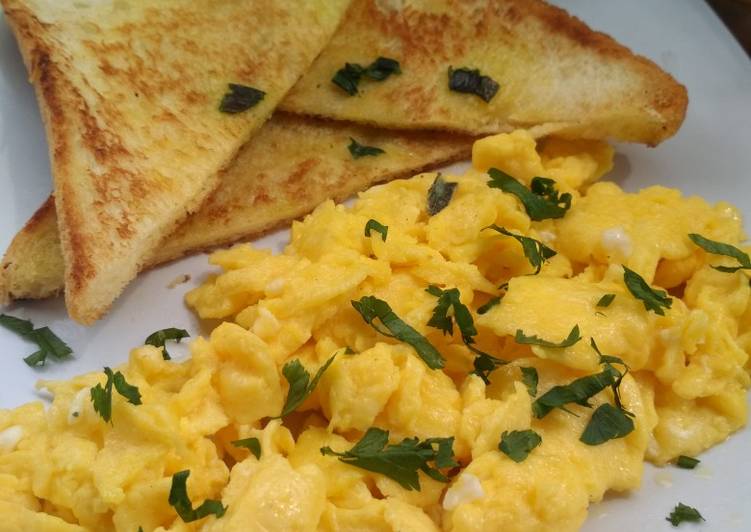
{"x": 63, "y": 468}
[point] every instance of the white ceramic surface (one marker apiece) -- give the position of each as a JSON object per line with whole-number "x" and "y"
{"x": 710, "y": 156}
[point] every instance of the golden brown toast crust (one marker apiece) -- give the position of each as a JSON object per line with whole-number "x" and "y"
{"x": 293, "y": 164}
{"x": 556, "y": 75}
{"x": 130, "y": 103}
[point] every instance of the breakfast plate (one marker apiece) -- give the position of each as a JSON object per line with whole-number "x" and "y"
{"x": 708, "y": 157}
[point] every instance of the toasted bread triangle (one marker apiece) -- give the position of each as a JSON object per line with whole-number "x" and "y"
{"x": 555, "y": 74}
{"x": 130, "y": 97}
{"x": 286, "y": 170}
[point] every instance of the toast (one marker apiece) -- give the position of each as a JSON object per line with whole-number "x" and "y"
{"x": 130, "y": 95}
{"x": 554, "y": 74}
{"x": 291, "y": 165}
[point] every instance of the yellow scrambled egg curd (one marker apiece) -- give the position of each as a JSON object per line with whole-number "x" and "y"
{"x": 64, "y": 468}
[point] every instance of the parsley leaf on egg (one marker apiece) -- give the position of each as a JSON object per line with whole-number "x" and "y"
{"x": 399, "y": 461}
{"x": 530, "y": 379}
{"x": 654, "y": 300}
{"x": 492, "y": 302}
{"x": 251, "y": 444}
{"x": 608, "y": 422}
{"x": 541, "y": 202}
{"x": 300, "y": 384}
{"x": 727, "y": 250}
{"x": 179, "y": 500}
{"x": 578, "y": 391}
{"x": 471, "y": 81}
{"x": 373, "y": 309}
{"x": 440, "y": 194}
{"x": 159, "y": 339}
{"x": 517, "y": 444}
{"x": 448, "y": 309}
{"x": 240, "y": 98}
{"x": 571, "y": 339}
{"x": 375, "y": 225}
{"x": 686, "y": 462}
{"x": 348, "y": 78}
{"x": 101, "y": 396}
{"x": 49, "y": 343}
{"x": 605, "y": 300}
{"x": 358, "y": 150}
{"x": 684, "y": 514}
{"x": 536, "y": 252}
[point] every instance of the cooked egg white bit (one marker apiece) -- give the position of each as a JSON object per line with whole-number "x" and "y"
{"x": 275, "y": 286}
{"x": 76, "y": 405}
{"x": 616, "y": 243}
{"x": 547, "y": 237}
{"x": 467, "y": 488}
{"x": 10, "y": 437}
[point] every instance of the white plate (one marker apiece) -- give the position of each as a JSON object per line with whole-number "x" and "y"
{"x": 711, "y": 156}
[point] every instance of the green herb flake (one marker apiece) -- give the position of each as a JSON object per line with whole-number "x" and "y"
{"x": 240, "y": 98}
{"x": 654, "y": 300}
{"x": 536, "y": 252}
{"x": 400, "y": 461}
{"x": 684, "y": 514}
{"x": 49, "y": 343}
{"x": 358, "y": 150}
{"x": 492, "y": 302}
{"x": 471, "y": 81}
{"x": 375, "y": 225}
{"x": 373, "y": 309}
{"x": 348, "y": 78}
{"x": 542, "y": 202}
{"x": 727, "y": 250}
{"x": 300, "y": 384}
{"x": 101, "y": 396}
{"x": 605, "y": 300}
{"x": 530, "y": 380}
{"x": 517, "y": 444}
{"x": 572, "y": 338}
{"x": 179, "y": 500}
{"x": 159, "y": 339}
{"x": 608, "y": 422}
{"x": 251, "y": 444}
{"x": 578, "y": 391}
{"x": 448, "y": 309}
{"x": 686, "y": 462}
{"x": 440, "y": 194}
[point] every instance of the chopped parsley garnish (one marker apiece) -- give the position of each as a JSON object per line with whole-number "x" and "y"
{"x": 686, "y": 462}
{"x": 541, "y": 202}
{"x": 371, "y": 309}
{"x": 240, "y": 98}
{"x": 375, "y": 225}
{"x": 718, "y": 248}
{"x": 399, "y": 461}
{"x": 654, "y": 300}
{"x": 608, "y": 422}
{"x": 179, "y": 500}
{"x": 492, "y": 302}
{"x": 101, "y": 397}
{"x": 440, "y": 194}
{"x": 578, "y": 391}
{"x": 530, "y": 380}
{"x": 449, "y": 309}
{"x": 571, "y": 339}
{"x": 159, "y": 339}
{"x": 536, "y": 252}
{"x": 348, "y": 78}
{"x": 358, "y": 150}
{"x": 684, "y": 514}
{"x": 517, "y": 444}
{"x": 471, "y": 81}
{"x": 300, "y": 384}
{"x": 605, "y": 300}
{"x": 48, "y": 342}
{"x": 251, "y": 444}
